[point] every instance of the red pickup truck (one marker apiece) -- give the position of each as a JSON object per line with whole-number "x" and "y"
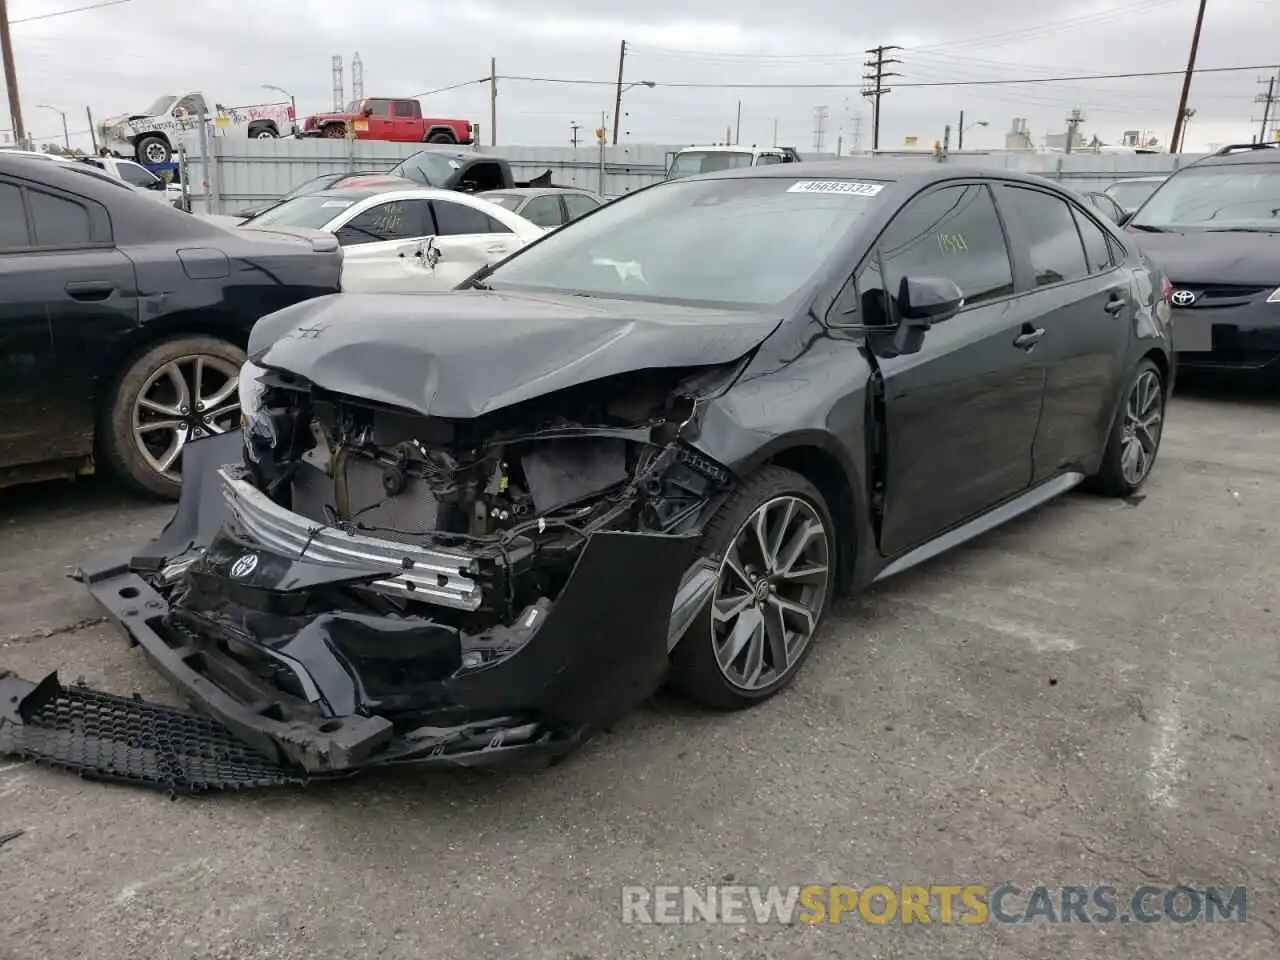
{"x": 382, "y": 118}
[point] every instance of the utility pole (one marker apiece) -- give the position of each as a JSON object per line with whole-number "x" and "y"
{"x": 93, "y": 134}
{"x": 493, "y": 101}
{"x": 1073, "y": 125}
{"x": 876, "y": 88}
{"x": 1175, "y": 142}
{"x": 1267, "y": 100}
{"x": 960, "y": 133}
{"x": 857, "y": 133}
{"x": 617, "y": 97}
{"x": 11, "y": 77}
{"x": 737, "y": 130}
{"x": 573, "y": 133}
{"x": 775, "y": 131}
{"x": 820, "y": 115}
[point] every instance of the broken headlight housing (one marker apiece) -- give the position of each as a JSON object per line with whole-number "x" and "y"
{"x": 256, "y": 428}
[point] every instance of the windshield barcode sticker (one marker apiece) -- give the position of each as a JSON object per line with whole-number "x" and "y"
{"x": 836, "y": 186}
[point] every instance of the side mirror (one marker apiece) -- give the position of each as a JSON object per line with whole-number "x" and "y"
{"x": 1125, "y": 218}
{"x": 922, "y": 302}
{"x": 367, "y": 112}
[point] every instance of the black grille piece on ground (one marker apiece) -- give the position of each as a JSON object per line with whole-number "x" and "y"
{"x": 104, "y": 737}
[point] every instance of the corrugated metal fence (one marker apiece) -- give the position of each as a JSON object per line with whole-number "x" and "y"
{"x": 246, "y": 173}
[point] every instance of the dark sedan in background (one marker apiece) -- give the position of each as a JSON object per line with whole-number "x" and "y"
{"x": 1214, "y": 227}
{"x": 123, "y": 322}
{"x": 457, "y": 527}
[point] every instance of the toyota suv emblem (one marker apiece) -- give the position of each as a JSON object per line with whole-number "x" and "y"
{"x": 1183, "y": 298}
{"x": 244, "y": 566}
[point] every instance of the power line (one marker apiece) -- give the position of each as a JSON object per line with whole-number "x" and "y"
{"x": 685, "y": 84}
{"x": 63, "y": 13}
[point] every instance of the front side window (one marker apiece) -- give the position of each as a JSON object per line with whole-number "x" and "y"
{"x": 59, "y": 222}
{"x": 952, "y": 232}
{"x": 1221, "y": 197}
{"x": 384, "y": 222}
{"x": 753, "y": 242}
{"x": 1054, "y": 245}
{"x": 381, "y": 108}
{"x": 544, "y": 211}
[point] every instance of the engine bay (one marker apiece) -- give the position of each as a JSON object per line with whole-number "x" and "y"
{"x": 521, "y": 489}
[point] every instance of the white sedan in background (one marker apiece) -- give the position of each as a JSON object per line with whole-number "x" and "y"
{"x": 406, "y": 240}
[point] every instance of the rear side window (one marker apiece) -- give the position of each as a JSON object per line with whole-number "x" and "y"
{"x": 1096, "y": 250}
{"x": 953, "y": 232}
{"x": 1054, "y": 245}
{"x": 59, "y": 222}
{"x": 459, "y": 220}
{"x": 578, "y": 204}
{"x": 13, "y": 219}
{"x": 544, "y": 211}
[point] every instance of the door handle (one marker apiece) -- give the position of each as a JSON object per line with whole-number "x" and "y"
{"x": 496, "y": 248}
{"x": 1115, "y": 305}
{"x": 1025, "y": 341}
{"x": 89, "y": 291}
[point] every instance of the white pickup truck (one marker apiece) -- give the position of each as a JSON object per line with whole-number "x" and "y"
{"x": 152, "y": 137}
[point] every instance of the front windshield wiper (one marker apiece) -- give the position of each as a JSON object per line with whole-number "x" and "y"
{"x": 1146, "y": 227}
{"x": 1244, "y": 230}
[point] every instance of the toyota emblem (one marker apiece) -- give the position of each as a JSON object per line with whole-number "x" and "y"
{"x": 244, "y": 566}
{"x": 1183, "y": 298}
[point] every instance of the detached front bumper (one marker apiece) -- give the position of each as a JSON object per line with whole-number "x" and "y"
{"x": 335, "y": 691}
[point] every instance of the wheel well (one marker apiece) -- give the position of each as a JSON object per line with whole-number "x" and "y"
{"x": 447, "y": 131}
{"x": 165, "y": 328}
{"x": 824, "y": 472}
{"x": 1162, "y": 362}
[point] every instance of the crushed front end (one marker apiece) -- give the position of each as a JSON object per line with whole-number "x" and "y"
{"x": 347, "y": 584}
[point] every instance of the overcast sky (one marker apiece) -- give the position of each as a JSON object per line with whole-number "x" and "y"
{"x": 122, "y": 57}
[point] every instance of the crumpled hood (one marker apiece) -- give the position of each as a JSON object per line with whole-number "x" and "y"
{"x": 1248, "y": 259}
{"x": 461, "y": 354}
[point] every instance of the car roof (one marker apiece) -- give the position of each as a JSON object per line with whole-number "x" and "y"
{"x": 1155, "y": 179}
{"x": 731, "y": 148}
{"x": 1240, "y": 154}
{"x": 532, "y": 192}
{"x": 912, "y": 170}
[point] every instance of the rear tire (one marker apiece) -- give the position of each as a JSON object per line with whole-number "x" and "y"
{"x": 1134, "y": 441}
{"x": 789, "y": 504}
{"x": 441, "y": 137}
{"x": 124, "y": 446}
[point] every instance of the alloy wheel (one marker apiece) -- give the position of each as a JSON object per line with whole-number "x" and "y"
{"x": 771, "y": 592}
{"x": 1143, "y": 420}
{"x": 185, "y": 399}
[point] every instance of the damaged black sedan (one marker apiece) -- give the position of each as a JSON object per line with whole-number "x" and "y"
{"x": 652, "y": 446}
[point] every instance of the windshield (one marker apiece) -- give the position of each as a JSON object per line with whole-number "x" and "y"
{"x": 1131, "y": 195}
{"x": 1241, "y": 196}
{"x": 160, "y": 107}
{"x": 354, "y": 106}
{"x": 427, "y": 167}
{"x": 691, "y": 162}
{"x": 310, "y": 211}
{"x": 752, "y": 242}
{"x": 310, "y": 187}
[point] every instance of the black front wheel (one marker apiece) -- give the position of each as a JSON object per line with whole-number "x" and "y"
{"x": 775, "y": 546}
{"x": 1135, "y": 436}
